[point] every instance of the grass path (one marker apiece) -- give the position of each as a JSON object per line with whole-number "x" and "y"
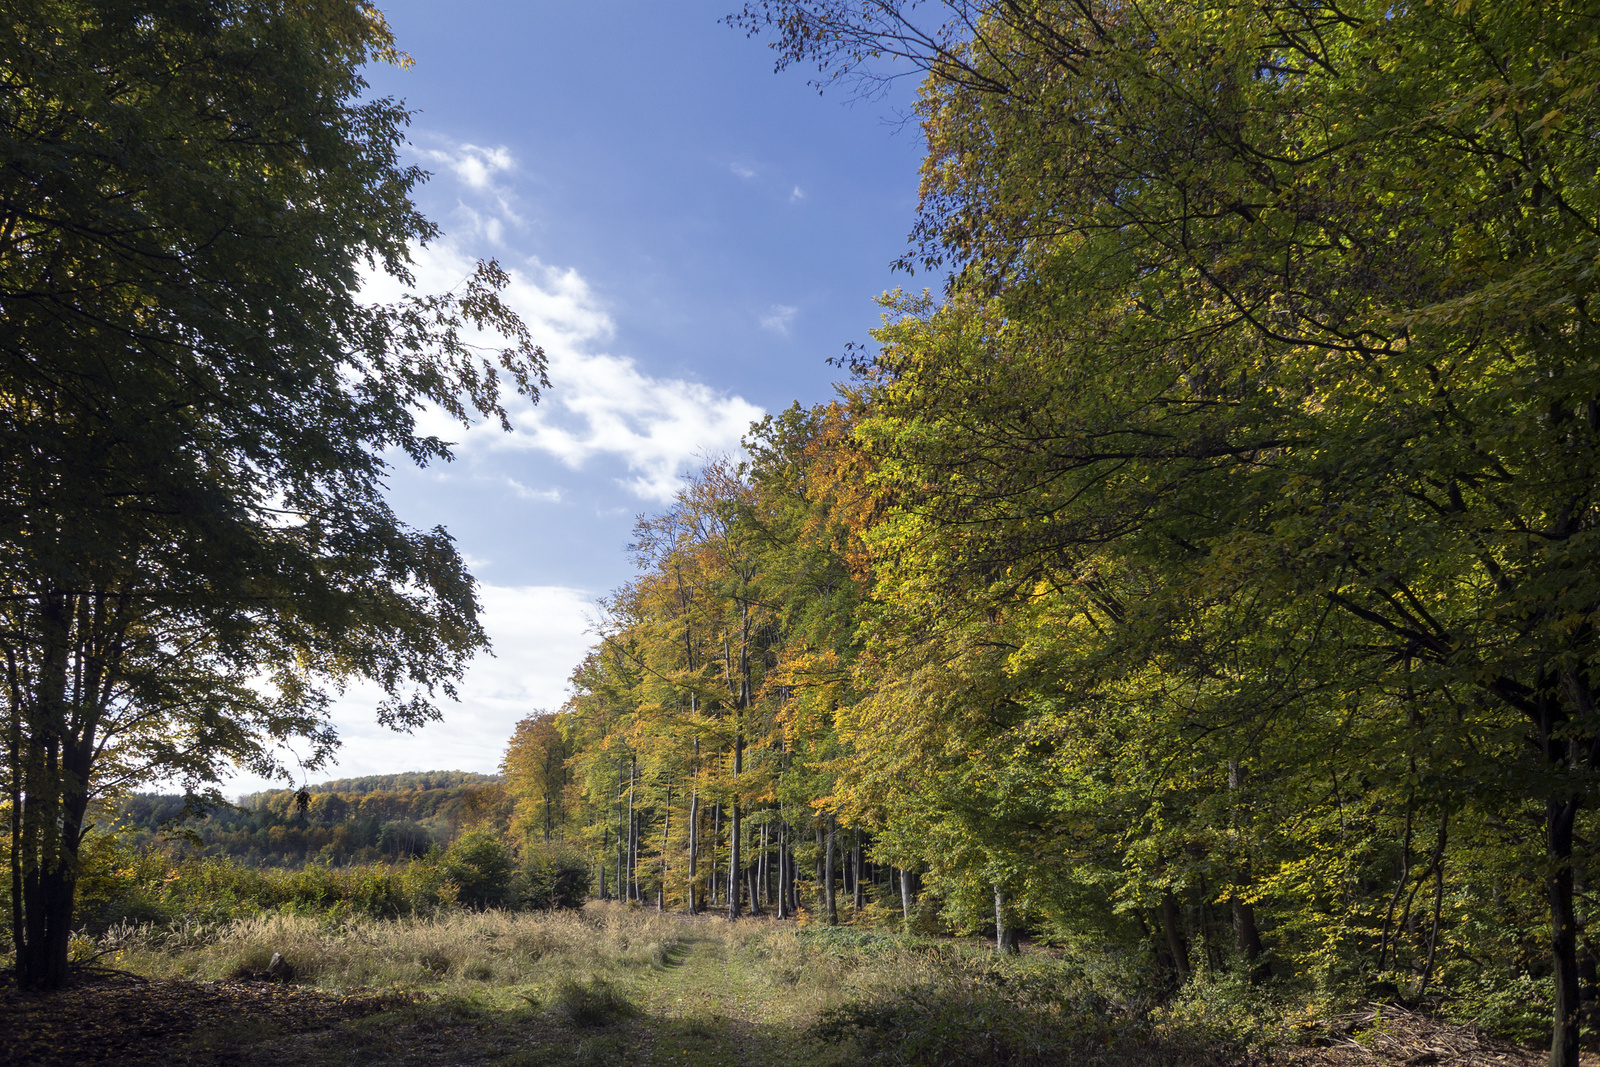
{"x": 704, "y": 1007}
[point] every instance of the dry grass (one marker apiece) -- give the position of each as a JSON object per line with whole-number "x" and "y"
{"x": 486, "y": 948}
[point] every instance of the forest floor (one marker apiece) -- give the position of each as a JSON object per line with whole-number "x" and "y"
{"x": 621, "y": 987}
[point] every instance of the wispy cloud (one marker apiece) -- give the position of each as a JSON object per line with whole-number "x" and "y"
{"x": 601, "y": 405}
{"x": 797, "y": 195}
{"x": 473, "y": 166}
{"x": 548, "y": 496}
{"x": 778, "y": 318}
{"x": 740, "y": 170}
{"x": 485, "y": 206}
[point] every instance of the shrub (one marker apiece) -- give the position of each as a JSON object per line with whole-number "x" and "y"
{"x": 554, "y": 878}
{"x": 590, "y": 1002}
{"x": 1517, "y": 1007}
{"x": 481, "y": 868}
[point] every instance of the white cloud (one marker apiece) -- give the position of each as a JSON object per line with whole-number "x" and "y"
{"x": 548, "y": 496}
{"x": 472, "y": 165}
{"x": 741, "y": 171}
{"x": 778, "y": 318}
{"x": 797, "y": 194}
{"x": 601, "y": 405}
{"x": 475, "y": 168}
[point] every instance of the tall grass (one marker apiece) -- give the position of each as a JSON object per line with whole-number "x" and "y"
{"x": 493, "y": 947}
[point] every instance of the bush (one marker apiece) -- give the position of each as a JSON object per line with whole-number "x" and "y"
{"x": 123, "y": 886}
{"x": 1514, "y": 1007}
{"x": 554, "y": 878}
{"x": 590, "y": 1002}
{"x": 481, "y": 867}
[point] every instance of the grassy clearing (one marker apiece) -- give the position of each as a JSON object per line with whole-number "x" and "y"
{"x": 619, "y": 985}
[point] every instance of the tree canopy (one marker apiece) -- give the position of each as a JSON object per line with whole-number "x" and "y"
{"x": 198, "y": 406}
{"x": 1216, "y": 550}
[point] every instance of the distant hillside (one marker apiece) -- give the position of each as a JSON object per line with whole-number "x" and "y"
{"x": 397, "y": 783}
{"x": 353, "y": 820}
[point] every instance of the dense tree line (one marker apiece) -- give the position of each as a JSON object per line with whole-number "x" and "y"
{"x": 1210, "y": 569}
{"x": 382, "y": 818}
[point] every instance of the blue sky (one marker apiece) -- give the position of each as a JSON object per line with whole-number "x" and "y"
{"x": 691, "y": 237}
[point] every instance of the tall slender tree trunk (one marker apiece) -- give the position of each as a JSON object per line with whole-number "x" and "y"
{"x": 666, "y": 841}
{"x": 762, "y": 870}
{"x": 733, "y": 859}
{"x": 694, "y": 845}
{"x": 905, "y": 895}
{"x": 822, "y": 891}
{"x": 633, "y": 833}
{"x": 711, "y": 854}
{"x": 622, "y": 839}
{"x": 860, "y": 902}
{"x": 783, "y": 871}
{"x": 742, "y": 707}
{"x": 833, "y": 906}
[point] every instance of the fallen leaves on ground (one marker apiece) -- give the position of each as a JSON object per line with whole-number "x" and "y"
{"x": 121, "y": 1019}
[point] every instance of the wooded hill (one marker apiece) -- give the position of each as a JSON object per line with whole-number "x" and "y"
{"x": 360, "y": 820}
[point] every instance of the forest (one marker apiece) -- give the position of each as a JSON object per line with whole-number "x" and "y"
{"x": 1193, "y": 590}
{"x": 1207, "y": 570}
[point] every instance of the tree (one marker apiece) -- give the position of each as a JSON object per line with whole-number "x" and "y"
{"x": 535, "y": 766}
{"x": 1290, "y": 305}
{"x": 196, "y": 407}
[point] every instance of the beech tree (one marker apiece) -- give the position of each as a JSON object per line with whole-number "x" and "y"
{"x": 196, "y": 407}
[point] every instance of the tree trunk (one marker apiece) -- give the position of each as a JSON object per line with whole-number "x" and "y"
{"x": 633, "y": 833}
{"x": 666, "y": 840}
{"x": 758, "y": 903}
{"x": 833, "y": 906}
{"x": 822, "y": 892}
{"x": 1559, "y": 819}
{"x": 694, "y": 843}
{"x": 740, "y": 708}
{"x": 860, "y": 902}
{"x": 905, "y": 895}
{"x": 782, "y": 886}
{"x": 733, "y": 860}
{"x": 1246, "y": 935}
{"x": 711, "y": 854}
{"x": 53, "y": 774}
{"x": 1005, "y": 932}
{"x": 1171, "y": 924}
